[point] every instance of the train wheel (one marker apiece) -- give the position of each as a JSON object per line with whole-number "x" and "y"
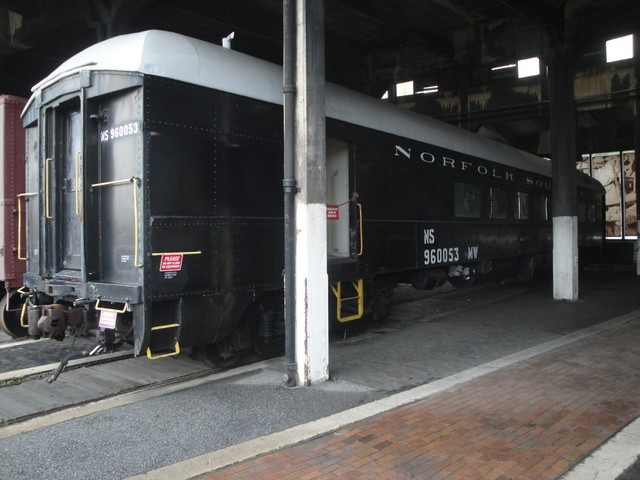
{"x": 11, "y": 306}
{"x": 463, "y": 282}
{"x": 210, "y": 355}
{"x": 428, "y": 279}
{"x": 265, "y": 322}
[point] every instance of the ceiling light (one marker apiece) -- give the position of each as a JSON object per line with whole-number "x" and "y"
{"x": 620, "y": 49}
{"x": 528, "y": 67}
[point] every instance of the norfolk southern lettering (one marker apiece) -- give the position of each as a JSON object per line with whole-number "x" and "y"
{"x": 472, "y": 166}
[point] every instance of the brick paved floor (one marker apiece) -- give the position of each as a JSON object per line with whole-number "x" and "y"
{"x": 531, "y": 420}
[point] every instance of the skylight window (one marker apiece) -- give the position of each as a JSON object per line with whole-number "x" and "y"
{"x": 404, "y": 89}
{"x": 504, "y": 67}
{"x": 528, "y": 67}
{"x": 620, "y": 49}
{"x": 428, "y": 89}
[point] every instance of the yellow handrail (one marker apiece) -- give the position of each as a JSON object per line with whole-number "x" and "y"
{"x": 361, "y": 251}
{"x": 23, "y": 311}
{"x": 78, "y": 186}
{"x": 47, "y": 207}
{"x": 113, "y": 182}
{"x": 29, "y": 194}
{"x": 162, "y": 327}
{"x": 135, "y": 181}
{"x": 159, "y": 254}
{"x": 136, "y": 256}
{"x": 105, "y": 309}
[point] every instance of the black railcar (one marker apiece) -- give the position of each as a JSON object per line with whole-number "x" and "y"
{"x": 154, "y": 187}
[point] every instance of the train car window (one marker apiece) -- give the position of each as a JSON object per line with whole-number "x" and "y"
{"x": 599, "y": 210}
{"x": 522, "y": 206}
{"x": 540, "y": 207}
{"x": 388, "y": 191}
{"x": 582, "y": 212}
{"x": 499, "y": 207}
{"x": 467, "y": 200}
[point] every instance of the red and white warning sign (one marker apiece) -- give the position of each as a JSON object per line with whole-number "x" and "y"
{"x": 333, "y": 212}
{"x": 171, "y": 262}
{"x": 108, "y": 319}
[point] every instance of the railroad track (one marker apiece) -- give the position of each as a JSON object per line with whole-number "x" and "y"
{"x": 26, "y": 395}
{"x": 96, "y": 378}
{"x": 39, "y": 418}
{"x": 24, "y": 359}
{"x": 47, "y": 371}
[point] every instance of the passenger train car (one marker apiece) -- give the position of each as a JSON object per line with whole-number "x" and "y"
{"x": 12, "y": 263}
{"x": 155, "y": 208}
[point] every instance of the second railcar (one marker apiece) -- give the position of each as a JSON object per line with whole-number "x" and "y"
{"x": 12, "y": 263}
{"x": 155, "y": 199}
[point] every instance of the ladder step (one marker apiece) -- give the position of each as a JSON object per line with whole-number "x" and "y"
{"x": 162, "y": 327}
{"x": 352, "y": 307}
{"x": 164, "y": 341}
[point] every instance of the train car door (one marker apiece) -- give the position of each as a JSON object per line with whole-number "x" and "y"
{"x": 63, "y": 189}
{"x": 338, "y": 204}
{"x": 113, "y": 176}
{"x": 348, "y": 296}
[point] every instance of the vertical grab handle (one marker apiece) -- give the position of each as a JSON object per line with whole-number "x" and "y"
{"x": 22, "y": 195}
{"x": 47, "y": 193}
{"x": 135, "y": 181}
{"x": 361, "y": 251}
{"x": 78, "y": 185}
{"x": 136, "y": 257}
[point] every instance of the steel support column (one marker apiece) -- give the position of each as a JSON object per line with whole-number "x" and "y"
{"x": 289, "y": 187}
{"x": 564, "y": 155}
{"x": 311, "y": 279}
{"x": 636, "y": 142}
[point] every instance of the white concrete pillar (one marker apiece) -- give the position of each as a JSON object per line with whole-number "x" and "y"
{"x": 565, "y": 258}
{"x": 312, "y": 337}
{"x": 311, "y": 284}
